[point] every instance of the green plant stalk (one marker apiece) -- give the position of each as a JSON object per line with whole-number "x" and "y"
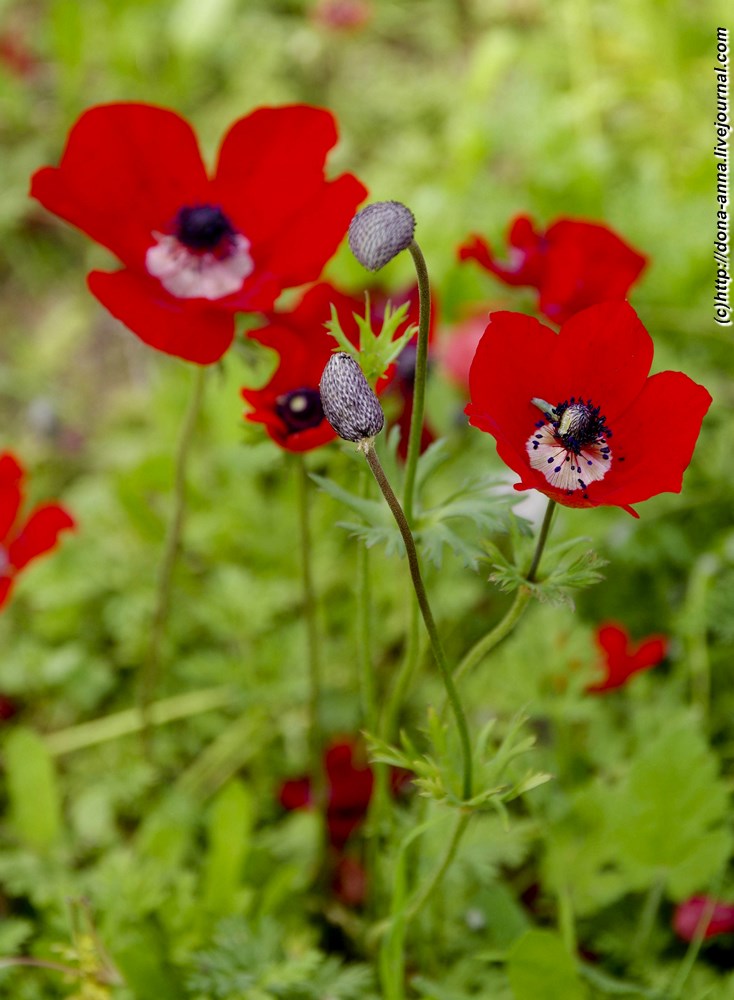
{"x": 312, "y": 630}
{"x": 397, "y": 511}
{"x": 419, "y": 385}
{"x": 516, "y": 610}
{"x": 689, "y": 959}
{"x": 112, "y": 727}
{"x": 425, "y": 893}
{"x": 648, "y": 914}
{"x": 152, "y": 664}
{"x": 367, "y": 686}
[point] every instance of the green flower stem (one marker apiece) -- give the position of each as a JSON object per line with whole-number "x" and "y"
{"x": 648, "y": 915}
{"x": 129, "y": 721}
{"x": 152, "y": 664}
{"x": 689, "y": 960}
{"x": 312, "y": 631}
{"x": 364, "y": 631}
{"x": 419, "y": 385}
{"x": 425, "y": 893}
{"x": 425, "y": 608}
{"x": 403, "y": 679}
{"x": 516, "y": 610}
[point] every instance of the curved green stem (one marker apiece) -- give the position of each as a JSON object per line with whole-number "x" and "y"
{"x": 419, "y": 385}
{"x": 516, "y": 610}
{"x": 367, "y": 684}
{"x": 422, "y": 897}
{"x": 151, "y": 665}
{"x": 312, "y": 631}
{"x": 425, "y": 609}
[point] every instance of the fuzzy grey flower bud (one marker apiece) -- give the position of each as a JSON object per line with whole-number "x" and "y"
{"x": 349, "y": 404}
{"x": 379, "y": 232}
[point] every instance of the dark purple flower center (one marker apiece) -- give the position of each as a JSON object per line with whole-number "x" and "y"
{"x": 300, "y": 410}
{"x": 579, "y": 423}
{"x": 202, "y": 227}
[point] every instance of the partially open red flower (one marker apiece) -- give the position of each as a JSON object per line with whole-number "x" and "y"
{"x": 688, "y": 916}
{"x": 575, "y": 413}
{"x": 622, "y": 659}
{"x": 21, "y": 542}
{"x": 573, "y": 264}
{"x": 196, "y": 249}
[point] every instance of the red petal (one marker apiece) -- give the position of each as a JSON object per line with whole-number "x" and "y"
{"x": 270, "y": 175}
{"x": 186, "y": 331}
{"x": 125, "y": 172}
{"x": 650, "y": 652}
{"x": 39, "y": 534}
{"x": 11, "y": 478}
{"x": 655, "y": 436}
{"x": 6, "y": 586}
{"x": 604, "y": 354}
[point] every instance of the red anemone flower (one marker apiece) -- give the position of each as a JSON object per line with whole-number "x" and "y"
{"x": 622, "y": 660}
{"x": 196, "y": 249}
{"x": 573, "y": 264}
{"x": 349, "y": 784}
{"x": 688, "y": 916}
{"x": 575, "y": 413}
{"x": 20, "y": 542}
{"x": 290, "y": 404}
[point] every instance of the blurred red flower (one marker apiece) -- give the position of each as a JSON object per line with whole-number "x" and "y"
{"x": 621, "y": 659}
{"x": 196, "y": 249}
{"x": 21, "y": 542}
{"x": 289, "y": 405}
{"x": 688, "y": 916}
{"x": 342, "y": 15}
{"x": 573, "y": 264}
{"x": 349, "y": 787}
{"x": 575, "y": 413}
{"x": 457, "y": 349}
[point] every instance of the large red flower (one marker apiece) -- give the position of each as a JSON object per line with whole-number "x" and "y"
{"x": 573, "y": 264}
{"x": 621, "y": 660}
{"x": 575, "y": 413}
{"x": 196, "y": 249}
{"x": 21, "y": 542}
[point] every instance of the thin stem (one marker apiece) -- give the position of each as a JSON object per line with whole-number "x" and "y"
{"x": 419, "y": 385}
{"x": 689, "y": 959}
{"x": 425, "y": 608}
{"x": 647, "y": 916}
{"x": 364, "y": 631}
{"x": 312, "y": 631}
{"x": 152, "y": 663}
{"x": 405, "y": 674}
{"x": 516, "y": 610}
{"x": 462, "y": 821}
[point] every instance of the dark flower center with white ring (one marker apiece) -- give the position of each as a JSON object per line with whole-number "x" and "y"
{"x": 571, "y": 446}
{"x": 300, "y": 410}
{"x": 202, "y": 227}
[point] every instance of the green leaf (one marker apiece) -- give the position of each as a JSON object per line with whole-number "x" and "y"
{"x": 35, "y": 799}
{"x": 667, "y": 818}
{"x": 539, "y": 966}
{"x": 229, "y": 827}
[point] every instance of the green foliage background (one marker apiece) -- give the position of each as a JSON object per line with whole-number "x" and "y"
{"x": 469, "y": 112}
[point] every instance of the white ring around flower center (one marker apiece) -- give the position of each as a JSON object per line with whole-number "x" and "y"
{"x": 561, "y": 466}
{"x": 190, "y": 275}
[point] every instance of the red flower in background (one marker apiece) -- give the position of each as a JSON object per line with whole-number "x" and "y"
{"x": 289, "y": 405}
{"x": 349, "y": 787}
{"x": 689, "y": 915}
{"x": 600, "y": 430}
{"x": 20, "y": 542}
{"x": 196, "y": 249}
{"x": 622, "y": 659}
{"x": 573, "y": 264}
{"x": 457, "y": 349}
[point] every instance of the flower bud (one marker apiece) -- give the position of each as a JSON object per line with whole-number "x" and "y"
{"x": 349, "y": 404}
{"x": 379, "y": 232}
